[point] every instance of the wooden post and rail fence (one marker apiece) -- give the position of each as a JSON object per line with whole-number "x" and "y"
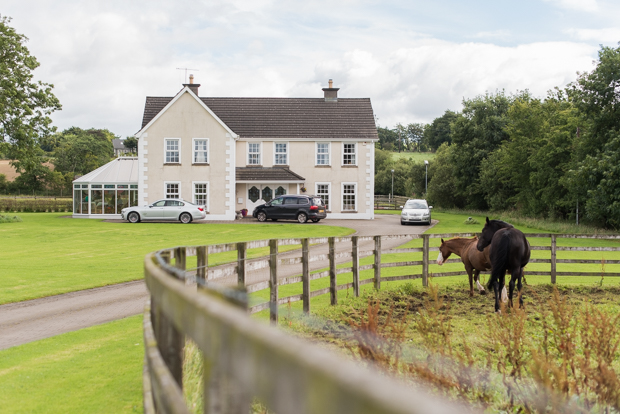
{"x": 244, "y": 359}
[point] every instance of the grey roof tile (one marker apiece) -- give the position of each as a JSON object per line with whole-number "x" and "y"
{"x": 286, "y": 118}
{"x": 266, "y": 174}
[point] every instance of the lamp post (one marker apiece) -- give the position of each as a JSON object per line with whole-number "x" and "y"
{"x": 392, "y": 184}
{"x": 426, "y": 170}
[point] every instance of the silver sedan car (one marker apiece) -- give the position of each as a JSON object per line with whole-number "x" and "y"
{"x": 166, "y": 209}
{"x": 415, "y": 211}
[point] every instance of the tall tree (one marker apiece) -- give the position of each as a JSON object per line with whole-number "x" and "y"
{"x": 439, "y": 131}
{"x": 25, "y": 105}
{"x": 594, "y": 176}
{"x": 477, "y": 132}
{"x": 77, "y": 151}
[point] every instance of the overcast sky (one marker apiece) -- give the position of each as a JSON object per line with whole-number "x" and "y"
{"x": 413, "y": 59}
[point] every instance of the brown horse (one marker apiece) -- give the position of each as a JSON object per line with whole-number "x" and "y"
{"x": 473, "y": 260}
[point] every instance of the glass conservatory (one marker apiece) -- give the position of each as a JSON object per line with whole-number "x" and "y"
{"x": 104, "y": 192}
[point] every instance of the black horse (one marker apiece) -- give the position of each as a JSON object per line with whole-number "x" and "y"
{"x": 510, "y": 251}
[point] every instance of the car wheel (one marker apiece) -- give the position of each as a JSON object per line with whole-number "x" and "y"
{"x": 185, "y": 218}
{"x": 316, "y": 220}
{"x": 261, "y": 216}
{"x": 302, "y": 218}
{"x": 402, "y": 223}
{"x": 133, "y": 217}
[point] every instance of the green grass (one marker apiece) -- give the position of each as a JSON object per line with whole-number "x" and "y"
{"x": 93, "y": 370}
{"x": 415, "y": 156}
{"x": 48, "y": 254}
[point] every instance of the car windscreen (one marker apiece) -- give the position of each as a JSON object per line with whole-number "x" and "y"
{"x": 416, "y": 205}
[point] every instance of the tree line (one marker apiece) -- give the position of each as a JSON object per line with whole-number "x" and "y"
{"x": 545, "y": 158}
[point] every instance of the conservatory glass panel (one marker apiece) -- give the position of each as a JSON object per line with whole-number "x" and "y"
{"x": 96, "y": 202}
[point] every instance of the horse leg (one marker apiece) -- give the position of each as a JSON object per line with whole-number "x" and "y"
{"x": 511, "y": 288}
{"x": 471, "y": 281}
{"x": 496, "y": 290}
{"x": 477, "y": 279}
{"x": 520, "y": 286}
{"x": 504, "y": 294}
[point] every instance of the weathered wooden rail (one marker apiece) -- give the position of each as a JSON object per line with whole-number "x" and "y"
{"x": 244, "y": 359}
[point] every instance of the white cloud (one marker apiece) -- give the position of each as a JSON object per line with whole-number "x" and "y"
{"x": 580, "y": 5}
{"x": 105, "y": 58}
{"x": 605, "y": 35}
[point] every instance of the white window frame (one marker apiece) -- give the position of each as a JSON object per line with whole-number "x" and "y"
{"x": 166, "y": 188}
{"x": 275, "y": 153}
{"x": 328, "y": 207}
{"x": 343, "y": 195}
{"x": 260, "y": 153}
{"x": 206, "y": 204}
{"x": 194, "y": 151}
{"x": 354, "y": 153}
{"x": 329, "y": 153}
{"x": 166, "y": 140}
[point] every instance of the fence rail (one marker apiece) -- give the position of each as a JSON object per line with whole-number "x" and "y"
{"x": 389, "y": 202}
{"x": 243, "y": 359}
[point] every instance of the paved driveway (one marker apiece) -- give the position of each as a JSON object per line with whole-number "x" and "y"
{"x": 36, "y": 319}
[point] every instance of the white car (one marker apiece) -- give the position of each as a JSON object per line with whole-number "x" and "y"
{"x": 166, "y": 209}
{"x": 415, "y": 211}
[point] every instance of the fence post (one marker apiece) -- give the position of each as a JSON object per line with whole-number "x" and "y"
{"x": 241, "y": 256}
{"x": 305, "y": 275}
{"x": 333, "y": 283}
{"x": 355, "y": 252}
{"x": 377, "y": 265}
{"x": 553, "y": 258}
{"x": 273, "y": 281}
{"x": 170, "y": 341}
{"x": 202, "y": 261}
{"x": 425, "y": 238}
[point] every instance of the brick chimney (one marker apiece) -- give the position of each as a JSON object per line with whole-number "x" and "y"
{"x": 192, "y": 86}
{"x": 331, "y": 93}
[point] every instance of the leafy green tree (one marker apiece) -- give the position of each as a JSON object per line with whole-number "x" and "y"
{"x": 442, "y": 183}
{"x": 25, "y": 104}
{"x": 439, "y": 131}
{"x": 593, "y": 177}
{"x": 131, "y": 143}
{"x": 388, "y": 139}
{"x": 476, "y": 133}
{"x": 79, "y": 151}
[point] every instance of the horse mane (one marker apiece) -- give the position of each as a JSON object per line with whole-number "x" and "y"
{"x": 501, "y": 223}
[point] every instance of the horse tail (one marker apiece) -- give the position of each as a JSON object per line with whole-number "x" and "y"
{"x": 499, "y": 261}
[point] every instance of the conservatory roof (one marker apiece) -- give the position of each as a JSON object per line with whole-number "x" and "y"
{"x": 120, "y": 170}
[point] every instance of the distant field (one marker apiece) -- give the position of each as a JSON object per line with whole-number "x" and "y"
{"x": 415, "y": 156}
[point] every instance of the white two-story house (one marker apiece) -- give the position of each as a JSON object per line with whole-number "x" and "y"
{"x": 236, "y": 153}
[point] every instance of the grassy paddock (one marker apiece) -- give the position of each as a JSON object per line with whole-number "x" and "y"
{"x": 415, "y": 156}
{"x": 93, "y": 370}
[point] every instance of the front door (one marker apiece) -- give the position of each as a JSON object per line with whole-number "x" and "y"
{"x": 258, "y": 194}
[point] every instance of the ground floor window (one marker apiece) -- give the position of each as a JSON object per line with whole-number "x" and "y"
{"x": 173, "y": 190}
{"x": 103, "y": 198}
{"x": 201, "y": 192}
{"x": 280, "y": 191}
{"x": 349, "y": 196}
{"x": 322, "y": 190}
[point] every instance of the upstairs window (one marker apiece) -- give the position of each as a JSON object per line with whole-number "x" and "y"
{"x": 348, "y": 154}
{"x": 281, "y": 153}
{"x": 322, "y": 153}
{"x": 254, "y": 153}
{"x": 201, "y": 153}
{"x": 173, "y": 150}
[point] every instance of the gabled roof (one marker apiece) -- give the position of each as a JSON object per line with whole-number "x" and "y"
{"x": 266, "y": 174}
{"x": 286, "y": 118}
{"x": 118, "y": 144}
{"x": 120, "y": 170}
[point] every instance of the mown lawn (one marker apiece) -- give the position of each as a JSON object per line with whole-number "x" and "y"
{"x": 415, "y": 156}
{"x": 93, "y": 370}
{"x": 48, "y": 254}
